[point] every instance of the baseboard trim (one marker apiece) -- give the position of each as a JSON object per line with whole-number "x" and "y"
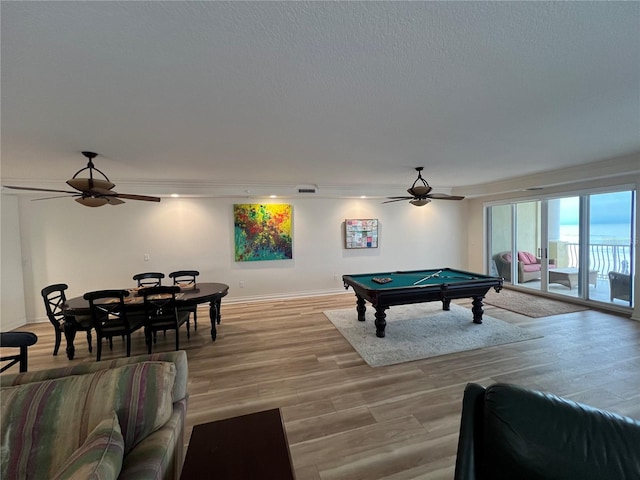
{"x": 283, "y": 296}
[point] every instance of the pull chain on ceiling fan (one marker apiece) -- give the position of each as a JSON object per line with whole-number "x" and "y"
{"x": 94, "y": 192}
{"x": 421, "y": 194}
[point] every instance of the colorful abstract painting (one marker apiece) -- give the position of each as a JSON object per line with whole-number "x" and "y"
{"x": 262, "y": 232}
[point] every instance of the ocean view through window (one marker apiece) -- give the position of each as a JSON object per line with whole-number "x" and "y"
{"x": 584, "y": 242}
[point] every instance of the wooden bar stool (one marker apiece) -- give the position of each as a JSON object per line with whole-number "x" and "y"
{"x": 20, "y": 340}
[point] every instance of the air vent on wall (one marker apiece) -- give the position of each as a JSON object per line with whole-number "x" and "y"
{"x": 307, "y": 188}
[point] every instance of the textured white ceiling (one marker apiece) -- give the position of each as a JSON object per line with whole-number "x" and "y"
{"x": 327, "y": 93}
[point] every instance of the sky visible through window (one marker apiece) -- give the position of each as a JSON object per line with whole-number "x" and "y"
{"x": 606, "y": 208}
{"x": 610, "y": 218}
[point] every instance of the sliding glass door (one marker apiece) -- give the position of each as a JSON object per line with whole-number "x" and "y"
{"x": 518, "y": 252}
{"x": 500, "y": 230}
{"x": 610, "y": 232}
{"x": 579, "y": 246}
{"x": 566, "y": 248}
{"x": 531, "y": 247}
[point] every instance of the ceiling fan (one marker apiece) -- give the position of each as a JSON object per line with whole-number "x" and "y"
{"x": 420, "y": 193}
{"x": 93, "y": 192}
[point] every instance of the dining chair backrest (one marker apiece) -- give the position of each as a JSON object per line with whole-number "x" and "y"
{"x": 149, "y": 279}
{"x": 161, "y": 313}
{"x": 20, "y": 340}
{"x": 107, "y": 309}
{"x": 160, "y": 302}
{"x": 109, "y": 316}
{"x": 184, "y": 278}
{"x": 187, "y": 279}
{"x": 54, "y": 300}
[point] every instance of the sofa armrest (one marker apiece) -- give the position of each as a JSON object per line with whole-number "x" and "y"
{"x": 161, "y": 455}
{"x": 539, "y": 261}
{"x": 470, "y": 438}
{"x": 521, "y": 265}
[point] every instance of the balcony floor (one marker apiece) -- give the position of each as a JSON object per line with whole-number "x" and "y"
{"x": 598, "y": 293}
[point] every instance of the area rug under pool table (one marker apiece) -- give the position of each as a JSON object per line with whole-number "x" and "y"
{"x": 530, "y": 305}
{"x": 422, "y": 330}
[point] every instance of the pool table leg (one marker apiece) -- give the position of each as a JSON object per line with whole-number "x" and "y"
{"x": 446, "y": 302}
{"x": 477, "y": 309}
{"x": 360, "y": 308}
{"x": 380, "y": 321}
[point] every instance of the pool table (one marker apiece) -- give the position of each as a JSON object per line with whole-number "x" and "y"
{"x": 384, "y": 290}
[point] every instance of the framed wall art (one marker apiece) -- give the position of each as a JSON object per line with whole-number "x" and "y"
{"x": 361, "y": 233}
{"x": 262, "y": 232}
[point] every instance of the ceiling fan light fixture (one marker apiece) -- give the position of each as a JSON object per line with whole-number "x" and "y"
{"x": 94, "y": 192}
{"x": 421, "y": 194}
{"x": 419, "y": 190}
{"x": 88, "y": 184}
{"x": 92, "y": 201}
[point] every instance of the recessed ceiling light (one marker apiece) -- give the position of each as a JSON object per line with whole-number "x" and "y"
{"x": 273, "y": 196}
{"x": 363, "y": 196}
{"x": 174, "y": 195}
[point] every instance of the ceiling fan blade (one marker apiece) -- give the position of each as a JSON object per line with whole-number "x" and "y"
{"x": 34, "y": 189}
{"x": 57, "y": 196}
{"x": 398, "y": 200}
{"x": 444, "y": 196}
{"x": 113, "y": 200}
{"x": 109, "y": 195}
{"x": 112, "y": 196}
{"x": 128, "y": 196}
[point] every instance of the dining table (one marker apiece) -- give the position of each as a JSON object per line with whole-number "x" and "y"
{"x": 206, "y": 292}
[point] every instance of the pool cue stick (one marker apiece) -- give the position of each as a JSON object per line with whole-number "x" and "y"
{"x": 427, "y": 277}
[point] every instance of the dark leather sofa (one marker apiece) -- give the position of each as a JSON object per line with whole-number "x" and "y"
{"x": 509, "y": 432}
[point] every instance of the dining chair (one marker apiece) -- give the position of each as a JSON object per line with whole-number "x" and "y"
{"x": 21, "y": 340}
{"x": 149, "y": 279}
{"x": 110, "y": 318}
{"x": 162, "y": 313}
{"x": 187, "y": 279}
{"x": 54, "y": 301}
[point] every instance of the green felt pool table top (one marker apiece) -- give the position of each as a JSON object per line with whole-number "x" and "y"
{"x": 416, "y": 278}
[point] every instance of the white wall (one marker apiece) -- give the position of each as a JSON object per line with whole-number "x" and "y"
{"x": 12, "y": 306}
{"x": 96, "y": 248}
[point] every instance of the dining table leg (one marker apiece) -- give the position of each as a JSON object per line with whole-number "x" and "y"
{"x": 213, "y": 316}
{"x": 219, "y": 316}
{"x": 70, "y": 335}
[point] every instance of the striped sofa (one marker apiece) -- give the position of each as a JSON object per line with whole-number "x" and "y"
{"x": 121, "y": 419}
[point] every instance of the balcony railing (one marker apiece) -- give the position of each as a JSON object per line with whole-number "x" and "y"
{"x": 603, "y": 258}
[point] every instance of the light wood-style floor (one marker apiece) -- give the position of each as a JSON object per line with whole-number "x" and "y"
{"x": 346, "y": 420}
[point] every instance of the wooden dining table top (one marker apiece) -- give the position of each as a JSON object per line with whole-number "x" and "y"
{"x": 201, "y": 293}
